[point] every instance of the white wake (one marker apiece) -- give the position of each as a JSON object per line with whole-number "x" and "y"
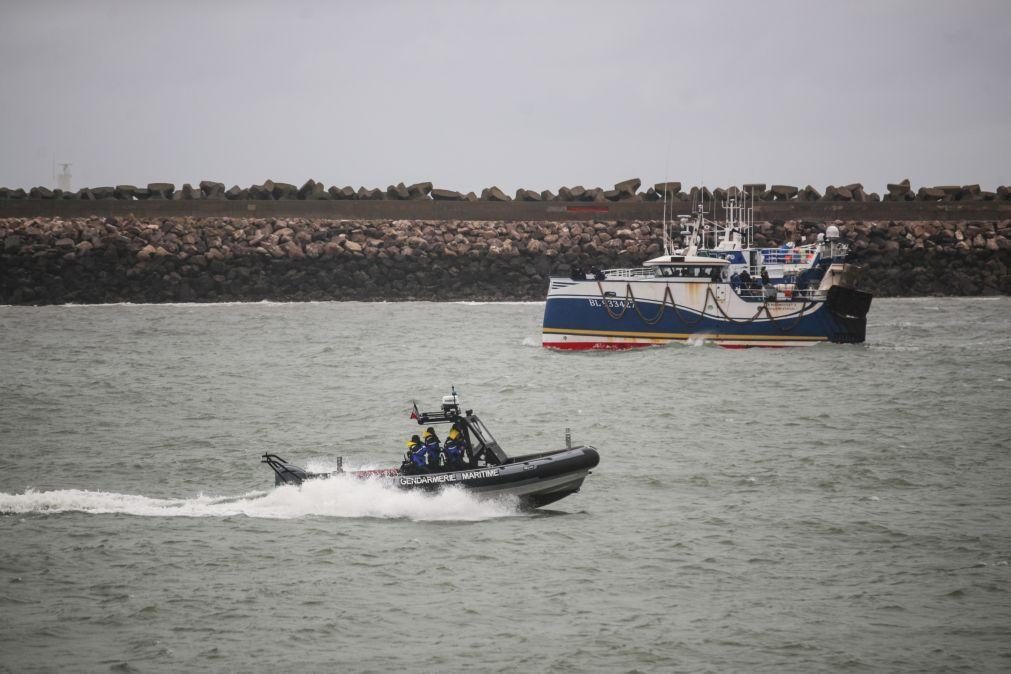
{"x": 334, "y": 497}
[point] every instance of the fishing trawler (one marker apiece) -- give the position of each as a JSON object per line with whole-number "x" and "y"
{"x": 715, "y": 287}
{"x": 535, "y": 480}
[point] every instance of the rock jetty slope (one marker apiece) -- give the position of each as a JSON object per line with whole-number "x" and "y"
{"x": 180, "y": 259}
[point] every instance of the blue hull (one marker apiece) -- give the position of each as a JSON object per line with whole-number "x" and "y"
{"x": 573, "y": 322}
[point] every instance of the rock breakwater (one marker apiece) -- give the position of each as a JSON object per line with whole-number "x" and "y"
{"x": 184, "y": 259}
{"x": 626, "y": 190}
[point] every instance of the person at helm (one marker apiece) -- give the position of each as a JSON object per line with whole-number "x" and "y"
{"x": 454, "y": 449}
{"x": 433, "y": 448}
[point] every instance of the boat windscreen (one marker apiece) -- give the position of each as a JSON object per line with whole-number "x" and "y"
{"x": 485, "y": 437}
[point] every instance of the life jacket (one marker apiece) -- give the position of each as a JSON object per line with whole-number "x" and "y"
{"x": 416, "y": 453}
{"x": 454, "y": 450}
{"x": 433, "y": 450}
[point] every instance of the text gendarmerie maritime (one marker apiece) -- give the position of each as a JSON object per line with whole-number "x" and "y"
{"x": 448, "y": 477}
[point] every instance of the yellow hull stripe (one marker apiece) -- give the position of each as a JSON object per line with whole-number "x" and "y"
{"x": 674, "y": 335}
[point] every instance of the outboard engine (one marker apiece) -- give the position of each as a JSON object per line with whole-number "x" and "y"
{"x": 289, "y": 473}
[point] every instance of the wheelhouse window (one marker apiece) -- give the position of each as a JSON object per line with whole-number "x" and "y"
{"x": 685, "y": 271}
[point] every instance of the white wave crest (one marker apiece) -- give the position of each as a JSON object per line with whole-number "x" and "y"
{"x": 334, "y": 497}
{"x": 699, "y": 339}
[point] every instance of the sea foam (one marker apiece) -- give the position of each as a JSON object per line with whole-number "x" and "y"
{"x": 340, "y": 496}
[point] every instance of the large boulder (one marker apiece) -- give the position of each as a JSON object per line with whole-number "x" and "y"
{"x": 263, "y": 192}
{"x": 419, "y": 190}
{"x": 161, "y": 190}
{"x": 212, "y": 190}
{"x": 899, "y": 191}
{"x": 628, "y": 187}
{"x": 841, "y": 194}
{"x": 577, "y": 193}
{"x": 527, "y": 195}
{"x": 668, "y": 190}
{"x": 969, "y": 193}
{"x": 284, "y": 191}
{"x": 564, "y": 194}
{"x": 783, "y": 192}
{"x": 859, "y": 194}
{"x": 374, "y": 194}
{"x": 346, "y": 193}
{"x": 189, "y": 193}
{"x": 40, "y": 193}
{"x": 125, "y": 191}
{"x": 398, "y": 191}
{"x": 234, "y": 192}
{"x": 446, "y": 195}
{"x": 313, "y": 191}
{"x": 833, "y": 193}
{"x": 809, "y": 193}
{"x": 493, "y": 193}
{"x": 306, "y": 189}
{"x": 696, "y": 193}
{"x": 930, "y": 194}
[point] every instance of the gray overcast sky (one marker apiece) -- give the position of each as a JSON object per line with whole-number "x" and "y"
{"x": 516, "y": 94}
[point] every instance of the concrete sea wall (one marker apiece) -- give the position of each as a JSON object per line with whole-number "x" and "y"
{"x": 123, "y": 258}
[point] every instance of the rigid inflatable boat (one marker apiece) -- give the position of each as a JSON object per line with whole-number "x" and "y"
{"x": 534, "y": 479}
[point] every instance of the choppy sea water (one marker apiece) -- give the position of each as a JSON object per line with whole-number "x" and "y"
{"x": 834, "y": 507}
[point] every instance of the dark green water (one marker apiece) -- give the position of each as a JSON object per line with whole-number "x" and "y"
{"x": 835, "y": 507}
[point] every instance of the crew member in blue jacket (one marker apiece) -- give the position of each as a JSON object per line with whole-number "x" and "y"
{"x": 415, "y": 458}
{"x": 433, "y": 448}
{"x": 454, "y": 449}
